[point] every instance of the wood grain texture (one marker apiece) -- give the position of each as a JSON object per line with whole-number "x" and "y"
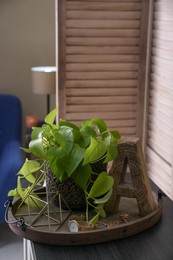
{"x": 128, "y": 15}
{"x": 130, "y": 158}
{"x": 108, "y": 32}
{"x": 60, "y": 235}
{"x": 102, "y": 49}
{"x": 103, "y": 6}
{"x": 154, "y": 243}
{"x": 160, "y": 100}
{"x": 119, "y": 83}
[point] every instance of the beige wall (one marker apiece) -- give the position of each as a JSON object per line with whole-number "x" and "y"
{"x": 27, "y": 38}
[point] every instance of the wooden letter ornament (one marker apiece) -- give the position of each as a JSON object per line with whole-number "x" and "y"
{"x": 131, "y": 160}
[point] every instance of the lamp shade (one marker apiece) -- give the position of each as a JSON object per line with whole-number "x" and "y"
{"x": 43, "y": 79}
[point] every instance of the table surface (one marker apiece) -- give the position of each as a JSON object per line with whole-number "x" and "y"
{"x": 155, "y": 243}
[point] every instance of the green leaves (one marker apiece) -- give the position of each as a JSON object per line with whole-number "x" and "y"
{"x": 75, "y": 129}
{"x": 97, "y": 124}
{"x": 99, "y": 194}
{"x": 69, "y": 150}
{"x": 95, "y": 151}
{"x": 29, "y": 167}
{"x": 57, "y": 159}
{"x": 101, "y": 125}
{"x": 94, "y": 220}
{"x": 37, "y": 148}
{"x": 104, "y": 198}
{"x": 66, "y": 145}
{"x": 65, "y": 162}
{"x": 101, "y": 186}
{"x": 31, "y": 172}
{"x": 112, "y": 141}
{"x": 28, "y": 196}
{"x": 82, "y": 175}
{"x": 50, "y": 118}
{"x": 14, "y": 193}
{"x": 103, "y": 143}
{"x": 64, "y": 137}
{"x": 75, "y": 157}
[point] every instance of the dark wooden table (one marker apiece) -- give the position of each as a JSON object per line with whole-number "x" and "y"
{"x": 155, "y": 243}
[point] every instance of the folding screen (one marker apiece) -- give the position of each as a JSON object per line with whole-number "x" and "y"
{"x": 101, "y": 58}
{"x": 160, "y": 120}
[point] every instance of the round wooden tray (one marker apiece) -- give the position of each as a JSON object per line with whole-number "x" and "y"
{"x": 114, "y": 226}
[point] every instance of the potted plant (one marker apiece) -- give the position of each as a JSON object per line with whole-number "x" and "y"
{"x": 70, "y": 151}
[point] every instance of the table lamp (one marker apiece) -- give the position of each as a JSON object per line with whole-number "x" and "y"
{"x": 43, "y": 81}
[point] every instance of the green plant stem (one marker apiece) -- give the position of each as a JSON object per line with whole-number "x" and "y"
{"x": 87, "y": 210}
{"x": 87, "y": 206}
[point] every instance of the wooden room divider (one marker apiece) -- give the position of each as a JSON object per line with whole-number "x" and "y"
{"x": 101, "y": 60}
{"x": 159, "y": 130}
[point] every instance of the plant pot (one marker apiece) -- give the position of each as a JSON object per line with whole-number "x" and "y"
{"x": 72, "y": 195}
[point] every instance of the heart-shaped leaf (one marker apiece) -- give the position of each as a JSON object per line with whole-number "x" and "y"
{"x": 82, "y": 175}
{"x": 28, "y": 196}
{"x": 28, "y": 168}
{"x": 95, "y": 151}
{"x": 104, "y": 198}
{"x": 112, "y": 151}
{"x": 50, "y": 118}
{"x": 115, "y": 134}
{"x": 100, "y": 124}
{"x": 57, "y": 159}
{"x": 94, "y": 220}
{"x": 13, "y": 193}
{"x": 101, "y": 210}
{"x": 75, "y": 157}
{"x": 36, "y": 132}
{"x": 36, "y": 147}
{"x": 102, "y": 185}
{"x": 76, "y": 131}
{"x": 64, "y": 137}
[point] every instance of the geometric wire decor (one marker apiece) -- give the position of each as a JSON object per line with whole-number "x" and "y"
{"x": 48, "y": 216}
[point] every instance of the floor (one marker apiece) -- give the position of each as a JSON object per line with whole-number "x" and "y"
{"x": 11, "y": 246}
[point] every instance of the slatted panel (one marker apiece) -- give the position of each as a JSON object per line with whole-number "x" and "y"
{"x": 160, "y": 126}
{"x": 102, "y": 51}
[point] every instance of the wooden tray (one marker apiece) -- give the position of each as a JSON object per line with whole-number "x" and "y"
{"x": 56, "y": 234}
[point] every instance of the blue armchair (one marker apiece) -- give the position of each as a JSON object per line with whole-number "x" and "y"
{"x": 11, "y": 158}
